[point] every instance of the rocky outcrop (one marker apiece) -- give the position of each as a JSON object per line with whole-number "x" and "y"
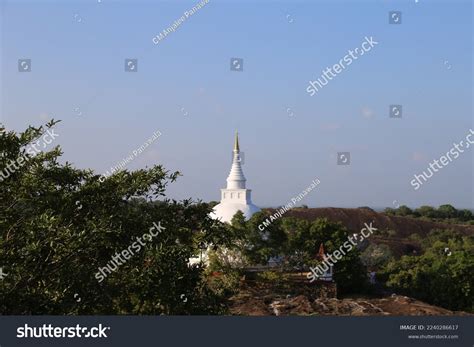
{"x": 394, "y": 305}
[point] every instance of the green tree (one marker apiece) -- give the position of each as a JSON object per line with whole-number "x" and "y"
{"x": 213, "y": 203}
{"x": 304, "y": 239}
{"x": 427, "y": 211}
{"x": 59, "y": 225}
{"x": 441, "y": 276}
{"x": 447, "y": 211}
{"x": 465, "y": 215}
{"x": 390, "y": 211}
{"x": 264, "y": 241}
{"x": 376, "y": 255}
{"x": 404, "y": 210}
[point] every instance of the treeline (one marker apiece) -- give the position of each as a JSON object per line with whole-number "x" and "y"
{"x": 443, "y": 212}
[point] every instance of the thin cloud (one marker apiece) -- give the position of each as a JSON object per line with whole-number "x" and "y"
{"x": 367, "y": 113}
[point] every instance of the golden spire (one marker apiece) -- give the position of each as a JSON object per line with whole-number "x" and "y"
{"x": 236, "y": 142}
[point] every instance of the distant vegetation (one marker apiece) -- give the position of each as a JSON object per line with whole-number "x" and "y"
{"x": 442, "y": 275}
{"x": 444, "y": 213}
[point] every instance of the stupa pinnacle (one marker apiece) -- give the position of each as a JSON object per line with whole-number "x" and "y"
{"x": 235, "y": 197}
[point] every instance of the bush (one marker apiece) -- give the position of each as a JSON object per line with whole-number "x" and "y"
{"x": 391, "y": 233}
{"x": 224, "y": 284}
{"x": 441, "y": 276}
{"x": 447, "y": 211}
{"x": 404, "y": 211}
{"x": 427, "y": 211}
{"x": 271, "y": 276}
{"x": 376, "y": 256}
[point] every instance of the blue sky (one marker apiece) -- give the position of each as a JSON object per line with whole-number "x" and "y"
{"x": 184, "y": 88}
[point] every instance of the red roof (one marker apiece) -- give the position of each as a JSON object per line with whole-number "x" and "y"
{"x": 321, "y": 255}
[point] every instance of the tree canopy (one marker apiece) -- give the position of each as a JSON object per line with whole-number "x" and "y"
{"x": 443, "y": 212}
{"x": 296, "y": 242}
{"x": 442, "y": 275}
{"x": 59, "y": 225}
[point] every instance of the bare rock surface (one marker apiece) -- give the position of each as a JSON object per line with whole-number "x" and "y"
{"x": 252, "y": 304}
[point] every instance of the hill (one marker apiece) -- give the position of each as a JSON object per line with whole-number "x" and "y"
{"x": 354, "y": 218}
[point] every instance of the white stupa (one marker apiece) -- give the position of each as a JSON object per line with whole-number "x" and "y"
{"x": 235, "y": 197}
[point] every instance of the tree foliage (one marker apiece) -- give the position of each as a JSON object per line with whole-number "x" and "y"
{"x": 443, "y": 213}
{"x": 376, "y": 255}
{"x": 296, "y": 242}
{"x": 441, "y": 276}
{"x": 59, "y": 225}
